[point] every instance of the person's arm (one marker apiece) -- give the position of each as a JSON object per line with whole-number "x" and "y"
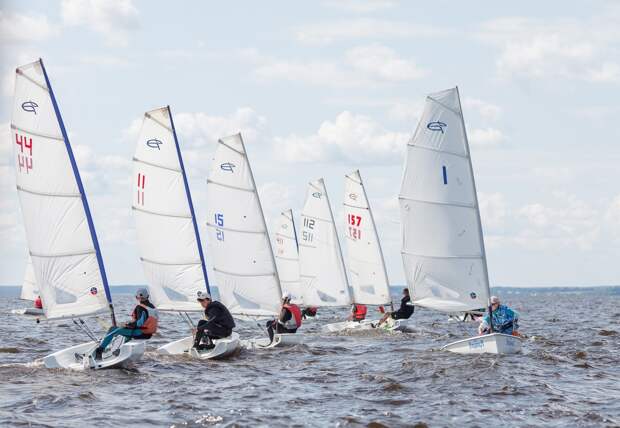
{"x": 215, "y": 315}
{"x": 140, "y": 320}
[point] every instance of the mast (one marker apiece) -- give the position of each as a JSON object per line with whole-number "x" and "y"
{"x": 344, "y": 269}
{"x": 78, "y": 179}
{"x": 480, "y": 235}
{"x": 260, "y": 206}
{"x": 294, "y": 230}
{"x": 189, "y": 201}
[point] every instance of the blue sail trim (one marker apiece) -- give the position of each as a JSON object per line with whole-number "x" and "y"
{"x": 189, "y": 200}
{"x": 76, "y": 174}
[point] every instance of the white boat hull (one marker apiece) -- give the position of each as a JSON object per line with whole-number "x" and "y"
{"x": 28, "y": 311}
{"x": 118, "y": 357}
{"x": 223, "y": 348}
{"x": 495, "y": 343}
{"x": 389, "y": 325}
{"x": 279, "y": 340}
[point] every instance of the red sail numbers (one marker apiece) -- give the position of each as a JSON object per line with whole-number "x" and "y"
{"x": 24, "y": 156}
{"x": 354, "y": 222}
{"x": 141, "y": 181}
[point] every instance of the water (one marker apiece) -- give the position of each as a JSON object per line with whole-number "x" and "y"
{"x": 568, "y": 375}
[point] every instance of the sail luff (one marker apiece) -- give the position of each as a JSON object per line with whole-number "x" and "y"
{"x": 294, "y": 230}
{"x": 344, "y": 269}
{"x": 189, "y": 201}
{"x": 78, "y": 179}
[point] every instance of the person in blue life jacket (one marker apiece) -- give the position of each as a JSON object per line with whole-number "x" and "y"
{"x": 505, "y": 320}
{"x": 218, "y": 322}
{"x": 143, "y": 324}
{"x": 288, "y": 321}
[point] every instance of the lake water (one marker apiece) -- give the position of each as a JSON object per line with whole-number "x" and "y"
{"x": 567, "y": 375}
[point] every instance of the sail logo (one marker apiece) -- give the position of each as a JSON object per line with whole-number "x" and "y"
{"x": 228, "y": 167}
{"x": 93, "y": 291}
{"x": 353, "y": 196}
{"x": 317, "y": 195}
{"x": 154, "y": 143}
{"x": 436, "y": 126}
{"x": 24, "y": 156}
{"x": 30, "y": 107}
{"x": 473, "y": 295}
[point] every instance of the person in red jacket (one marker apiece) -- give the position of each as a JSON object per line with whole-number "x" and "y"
{"x": 358, "y": 312}
{"x": 38, "y": 304}
{"x": 290, "y": 318}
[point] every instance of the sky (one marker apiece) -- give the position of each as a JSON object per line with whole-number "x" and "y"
{"x": 319, "y": 89}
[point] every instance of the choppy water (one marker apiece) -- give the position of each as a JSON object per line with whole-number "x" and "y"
{"x": 568, "y": 375}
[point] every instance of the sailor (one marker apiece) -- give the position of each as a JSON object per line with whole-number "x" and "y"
{"x": 143, "y": 324}
{"x": 505, "y": 320}
{"x": 38, "y": 304}
{"x": 404, "y": 312}
{"x": 310, "y": 311}
{"x": 218, "y": 322}
{"x": 358, "y": 312}
{"x": 288, "y": 321}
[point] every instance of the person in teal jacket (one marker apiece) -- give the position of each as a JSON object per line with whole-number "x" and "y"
{"x": 505, "y": 320}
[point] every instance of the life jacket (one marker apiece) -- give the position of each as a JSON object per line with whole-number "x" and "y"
{"x": 310, "y": 311}
{"x": 152, "y": 319}
{"x": 38, "y": 303}
{"x": 359, "y": 312}
{"x": 295, "y": 321}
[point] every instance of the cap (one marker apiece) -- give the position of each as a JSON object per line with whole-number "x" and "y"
{"x": 203, "y": 295}
{"x": 142, "y": 293}
{"x": 494, "y": 299}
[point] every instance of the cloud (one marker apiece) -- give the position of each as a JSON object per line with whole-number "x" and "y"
{"x": 487, "y": 111}
{"x": 114, "y": 20}
{"x": 362, "y": 28}
{"x": 16, "y": 28}
{"x": 406, "y": 111}
{"x": 360, "y": 6}
{"x": 562, "y": 48}
{"x": 493, "y": 211}
{"x": 349, "y": 138}
{"x": 360, "y": 66}
{"x": 487, "y": 137}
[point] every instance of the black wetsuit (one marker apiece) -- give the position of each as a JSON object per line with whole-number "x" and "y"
{"x": 218, "y": 324}
{"x": 405, "y": 311}
{"x": 285, "y": 316}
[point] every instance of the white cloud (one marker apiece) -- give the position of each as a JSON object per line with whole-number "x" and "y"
{"x": 561, "y": 48}
{"x": 493, "y": 211}
{"x": 406, "y": 111}
{"x": 487, "y": 137}
{"x": 105, "y": 61}
{"x": 487, "y": 111}
{"x": 16, "y": 28}
{"x": 363, "y": 28}
{"x": 360, "y": 6}
{"x": 115, "y": 20}
{"x": 350, "y": 138}
{"x": 361, "y": 66}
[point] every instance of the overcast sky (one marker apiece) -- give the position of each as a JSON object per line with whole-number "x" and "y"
{"x": 322, "y": 88}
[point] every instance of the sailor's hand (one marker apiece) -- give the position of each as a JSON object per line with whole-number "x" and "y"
{"x": 194, "y": 331}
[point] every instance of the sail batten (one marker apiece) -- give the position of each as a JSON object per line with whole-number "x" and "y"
{"x": 66, "y": 258}
{"x": 169, "y": 242}
{"x": 442, "y": 247}
{"x": 322, "y": 270}
{"x": 369, "y": 280}
{"x": 242, "y": 257}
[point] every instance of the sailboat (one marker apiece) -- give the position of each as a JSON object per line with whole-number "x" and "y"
{"x": 61, "y": 236}
{"x": 29, "y": 292}
{"x": 239, "y": 246}
{"x": 323, "y": 275}
{"x": 168, "y": 237}
{"x": 287, "y": 255}
{"x": 443, "y": 248}
{"x": 367, "y": 272}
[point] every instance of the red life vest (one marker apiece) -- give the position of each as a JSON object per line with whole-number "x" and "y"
{"x": 152, "y": 319}
{"x": 38, "y": 303}
{"x": 359, "y": 312}
{"x": 311, "y": 311}
{"x": 295, "y": 321}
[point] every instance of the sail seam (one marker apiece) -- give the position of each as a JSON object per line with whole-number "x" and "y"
{"x": 229, "y": 186}
{"x": 286, "y": 258}
{"x": 317, "y": 218}
{"x": 243, "y": 274}
{"x": 81, "y": 253}
{"x": 170, "y": 264}
{"x": 236, "y": 230}
{"x": 161, "y": 214}
{"x": 135, "y": 159}
{"x": 231, "y": 148}
{"x": 285, "y": 237}
{"x": 437, "y": 150}
{"x": 450, "y": 204}
{"x": 355, "y": 206}
{"x": 59, "y": 195}
{"x": 21, "y": 73}
{"x": 147, "y": 114}
{"x": 441, "y": 257}
{"x": 36, "y": 134}
{"x": 444, "y": 106}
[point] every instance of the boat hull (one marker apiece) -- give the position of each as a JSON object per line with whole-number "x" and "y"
{"x": 389, "y": 325}
{"x": 223, "y": 348}
{"x": 279, "y": 340}
{"x": 34, "y": 312}
{"x": 66, "y": 359}
{"x": 495, "y": 343}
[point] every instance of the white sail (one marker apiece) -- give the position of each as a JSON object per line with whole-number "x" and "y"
{"x": 30, "y": 290}
{"x": 287, "y": 255}
{"x": 168, "y": 237}
{"x": 369, "y": 281}
{"x": 239, "y": 245}
{"x": 442, "y": 248}
{"x": 322, "y": 270}
{"x": 60, "y": 233}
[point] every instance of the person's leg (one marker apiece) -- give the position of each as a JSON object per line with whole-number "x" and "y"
{"x": 111, "y": 334}
{"x": 200, "y": 330}
{"x": 270, "y": 329}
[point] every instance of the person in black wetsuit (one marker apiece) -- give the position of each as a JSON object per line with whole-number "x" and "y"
{"x": 218, "y": 322}
{"x": 404, "y": 312}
